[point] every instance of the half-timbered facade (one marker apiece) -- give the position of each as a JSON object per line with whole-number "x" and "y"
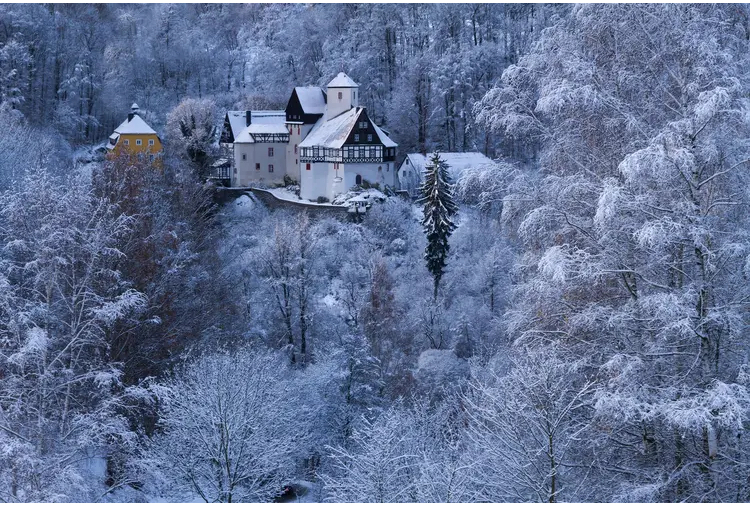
{"x": 344, "y": 148}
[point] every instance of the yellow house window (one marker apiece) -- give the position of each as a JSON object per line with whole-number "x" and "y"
{"x": 127, "y": 142}
{"x": 138, "y": 142}
{"x": 150, "y": 142}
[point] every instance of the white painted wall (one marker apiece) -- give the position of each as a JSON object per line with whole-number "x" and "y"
{"x": 258, "y": 153}
{"x": 409, "y": 178}
{"x": 380, "y": 173}
{"x": 335, "y": 105}
{"x": 292, "y": 159}
{"x": 313, "y": 182}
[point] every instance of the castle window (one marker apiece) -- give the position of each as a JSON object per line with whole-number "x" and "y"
{"x": 341, "y": 95}
{"x": 369, "y": 137}
{"x": 354, "y": 95}
{"x": 356, "y": 137}
{"x": 270, "y": 153}
{"x": 138, "y": 142}
{"x": 257, "y": 166}
{"x": 307, "y": 166}
{"x": 295, "y": 149}
{"x": 270, "y": 167}
{"x": 244, "y": 156}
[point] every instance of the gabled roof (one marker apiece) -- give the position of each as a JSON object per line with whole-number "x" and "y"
{"x": 332, "y": 133}
{"x": 136, "y": 125}
{"x": 312, "y": 99}
{"x": 238, "y": 119}
{"x": 384, "y": 139}
{"x": 246, "y": 136}
{"x": 342, "y": 81}
{"x": 236, "y": 122}
{"x": 457, "y": 162}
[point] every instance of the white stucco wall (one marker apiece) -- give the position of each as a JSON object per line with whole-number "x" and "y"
{"x": 258, "y": 153}
{"x": 293, "y": 165}
{"x": 313, "y": 182}
{"x": 408, "y": 177}
{"x": 335, "y": 106}
{"x": 370, "y": 172}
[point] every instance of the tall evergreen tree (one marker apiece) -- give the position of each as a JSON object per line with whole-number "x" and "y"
{"x": 439, "y": 207}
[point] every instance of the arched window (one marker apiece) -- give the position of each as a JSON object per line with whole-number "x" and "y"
{"x": 358, "y": 179}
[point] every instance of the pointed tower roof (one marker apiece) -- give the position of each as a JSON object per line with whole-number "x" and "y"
{"x": 342, "y": 81}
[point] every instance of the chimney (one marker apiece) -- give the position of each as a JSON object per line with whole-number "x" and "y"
{"x": 133, "y": 111}
{"x": 248, "y": 117}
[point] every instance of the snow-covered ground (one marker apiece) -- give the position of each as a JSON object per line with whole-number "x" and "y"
{"x": 361, "y": 198}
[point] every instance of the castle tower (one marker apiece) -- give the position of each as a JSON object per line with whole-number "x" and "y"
{"x": 343, "y": 95}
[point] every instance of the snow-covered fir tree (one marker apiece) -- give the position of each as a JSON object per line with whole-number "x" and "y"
{"x": 439, "y": 209}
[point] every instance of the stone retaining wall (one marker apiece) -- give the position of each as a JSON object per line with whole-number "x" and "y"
{"x": 224, "y": 195}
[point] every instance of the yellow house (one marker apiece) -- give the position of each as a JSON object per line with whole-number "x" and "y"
{"x": 135, "y": 137}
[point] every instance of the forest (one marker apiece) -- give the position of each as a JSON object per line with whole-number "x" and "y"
{"x": 580, "y": 336}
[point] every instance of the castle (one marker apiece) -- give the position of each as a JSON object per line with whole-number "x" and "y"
{"x": 323, "y": 139}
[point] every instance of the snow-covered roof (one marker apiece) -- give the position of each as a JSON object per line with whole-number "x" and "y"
{"x": 112, "y": 140}
{"x": 246, "y": 136}
{"x": 238, "y": 119}
{"x": 311, "y": 99}
{"x": 457, "y": 162}
{"x": 136, "y": 125}
{"x": 387, "y": 142}
{"x": 266, "y": 117}
{"x": 267, "y": 128}
{"x": 333, "y": 133}
{"x": 342, "y": 81}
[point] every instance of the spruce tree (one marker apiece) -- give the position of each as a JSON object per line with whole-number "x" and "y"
{"x": 439, "y": 207}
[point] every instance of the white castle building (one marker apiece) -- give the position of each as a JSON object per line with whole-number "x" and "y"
{"x": 323, "y": 140}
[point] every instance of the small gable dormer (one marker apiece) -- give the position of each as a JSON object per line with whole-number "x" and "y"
{"x": 343, "y": 95}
